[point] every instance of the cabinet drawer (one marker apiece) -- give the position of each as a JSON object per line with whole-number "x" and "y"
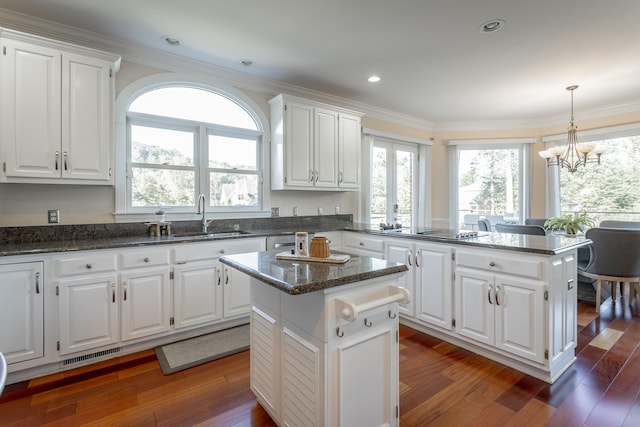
{"x": 215, "y": 249}
{"x": 501, "y": 264}
{"x": 362, "y": 242}
{"x": 144, "y": 258}
{"x": 93, "y": 263}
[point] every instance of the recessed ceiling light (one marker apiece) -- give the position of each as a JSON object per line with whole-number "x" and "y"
{"x": 373, "y": 79}
{"x": 172, "y": 41}
{"x": 492, "y": 26}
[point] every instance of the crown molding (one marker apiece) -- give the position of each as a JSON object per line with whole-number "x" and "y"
{"x": 167, "y": 61}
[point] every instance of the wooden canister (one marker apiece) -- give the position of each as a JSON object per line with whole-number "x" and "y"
{"x": 319, "y": 247}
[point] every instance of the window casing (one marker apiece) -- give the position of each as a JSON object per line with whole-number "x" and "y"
{"x": 605, "y": 191}
{"x": 168, "y": 159}
{"x": 489, "y": 179}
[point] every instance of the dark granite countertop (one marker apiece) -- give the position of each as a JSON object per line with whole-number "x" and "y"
{"x": 67, "y": 245}
{"x": 299, "y": 277}
{"x": 551, "y": 244}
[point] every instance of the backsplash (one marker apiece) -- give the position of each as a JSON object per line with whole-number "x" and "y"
{"x": 34, "y": 234}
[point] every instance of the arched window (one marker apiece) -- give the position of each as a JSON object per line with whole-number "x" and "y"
{"x": 182, "y": 141}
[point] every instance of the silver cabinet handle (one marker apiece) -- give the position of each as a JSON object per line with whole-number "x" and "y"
{"x": 367, "y": 322}
{"x": 409, "y": 255}
{"x": 497, "y": 295}
{"x": 221, "y": 251}
{"x": 113, "y": 293}
{"x": 66, "y": 160}
{"x": 57, "y": 158}
{"x": 146, "y": 259}
{"x": 340, "y": 177}
{"x": 492, "y": 264}
{"x": 418, "y": 254}
{"x": 489, "y": 294}
{"x": 89, "y": 266}
{"x": 124, "y": 286}
{"x": 218, "y": 276}
{"x": 226, "y": 276}
{"x": 37, "y": 282}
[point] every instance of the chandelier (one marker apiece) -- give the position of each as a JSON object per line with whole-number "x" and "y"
{"x": 574, "y": 154}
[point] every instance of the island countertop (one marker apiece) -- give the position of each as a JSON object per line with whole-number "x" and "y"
{"x": 299, "y": 277}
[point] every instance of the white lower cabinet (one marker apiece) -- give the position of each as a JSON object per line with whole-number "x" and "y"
{"x": 206, "y": 290}
{"x": 88, "y": 300}
{"x": 501, "y": 311}
{"x": 428, "y": 280}
{"x": 21, "y": 311}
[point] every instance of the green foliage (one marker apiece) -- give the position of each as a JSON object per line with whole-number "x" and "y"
{"x": 571, "y": 224}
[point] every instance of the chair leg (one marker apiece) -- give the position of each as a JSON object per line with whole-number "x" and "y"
{"x": 614, "y": 287}
{"x": 598, "y": 290}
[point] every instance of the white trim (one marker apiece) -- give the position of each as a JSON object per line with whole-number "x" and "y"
{"x": 497, "y": 141}
{"x": 395, "y": 136}
{"x": 144, "y": 84}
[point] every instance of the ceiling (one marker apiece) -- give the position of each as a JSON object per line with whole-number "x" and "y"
{"x": 433, "y": 59}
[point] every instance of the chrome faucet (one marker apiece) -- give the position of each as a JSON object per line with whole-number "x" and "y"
{"x": 202, "y": 203}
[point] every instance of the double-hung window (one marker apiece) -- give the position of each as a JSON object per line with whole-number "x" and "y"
{"x": 185, "y": 141}
{"x": 489, "y": 179}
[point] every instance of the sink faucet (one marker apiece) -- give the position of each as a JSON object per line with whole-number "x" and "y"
{"x": 202, "y": 203}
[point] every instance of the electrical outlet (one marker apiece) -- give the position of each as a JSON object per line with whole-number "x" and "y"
{"x": 275, "y": 211}
{"x": 337, "y": 210}
{"x": 236, "y": 227}
{"x": 54, "y": 216}
{"x": 319, "y": 210}
{"x": 295, "y": 211}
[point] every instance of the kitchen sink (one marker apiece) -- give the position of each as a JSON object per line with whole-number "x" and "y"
{"x": 199, "y": 234}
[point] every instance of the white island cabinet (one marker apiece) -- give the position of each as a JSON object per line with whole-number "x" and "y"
{"x": 324, "y": 343}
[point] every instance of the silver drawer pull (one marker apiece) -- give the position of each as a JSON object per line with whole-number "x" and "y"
{"x": 221, "y": 251}
{"x": 492, "y": 264}
{"x": 89, "y": 266}
{"x": 146, "y": 259}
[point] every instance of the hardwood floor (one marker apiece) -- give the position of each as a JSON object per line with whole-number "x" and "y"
{"x": 441, "y": 385}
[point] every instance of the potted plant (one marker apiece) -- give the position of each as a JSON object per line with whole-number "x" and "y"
{"x": 160, "y": 215}
{"x": 571, "y": 224}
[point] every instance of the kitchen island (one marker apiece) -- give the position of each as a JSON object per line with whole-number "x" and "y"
{"x": 324, "y": 338}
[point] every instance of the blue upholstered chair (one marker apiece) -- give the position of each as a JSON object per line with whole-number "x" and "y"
{"x": 484, "y": 224}
{"x": 535, "y": 221}
{"x": 534, "y": 230}
{"x": 630, "y": 225}
{"x": 614, "y": 257}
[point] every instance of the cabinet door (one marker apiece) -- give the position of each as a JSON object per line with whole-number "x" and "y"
{"x": 86, "y": 123}
{"x": 21, "y": 311}
{"x": 475, "y": 302}
{"x": 265, "y": 360}
{"x": 196, "y": 294}
{"x": 325, "y": 151}
{"x": 298, "y": 145}
{"x": 402, "y": 252}
{"x": 519, "y": 307}
{"x": 88, "y": 309}
{"x": 433, "y": 285}
{"x": 236, "y": 287}
{"x": 146, "y": 303}
{"x": 31, "y": 105}
{"x": 366, "y": 366}
{"x": 349, "y": 141}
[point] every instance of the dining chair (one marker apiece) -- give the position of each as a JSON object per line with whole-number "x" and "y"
{"x": 614, "y": 256}
{"x": 534, "y": 230}
{"x": 610, "y": 223}
{"x": 3, "y": 372}
{"x": 484, "y": 224}
{"x": 535, "y": 221}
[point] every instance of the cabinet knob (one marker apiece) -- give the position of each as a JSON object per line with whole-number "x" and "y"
{"x": 492, "y": 264}
{"x": 361, "y": 244}
{"x": 146, "y": 259}
{"x": 89, "y": 266}
{"x": 221, "y": 251}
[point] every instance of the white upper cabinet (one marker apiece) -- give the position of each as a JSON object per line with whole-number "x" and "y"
{"x": 56, "y": 111}
{"x": 314, "y": 146}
